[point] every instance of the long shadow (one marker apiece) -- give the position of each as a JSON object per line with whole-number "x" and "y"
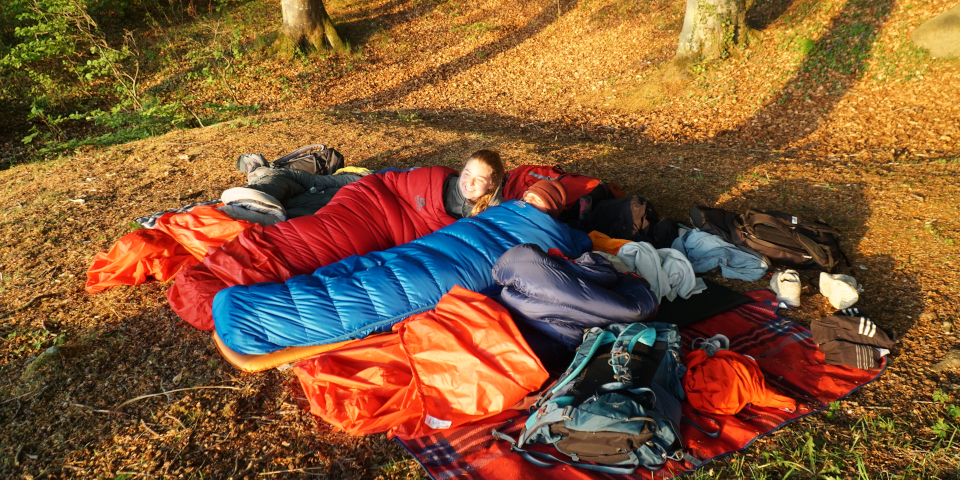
{"x": 361, "y": 26}
{"x": 833, "y": 66}
{"x": 764, "y": 12}
{"x": 477, "y": 56}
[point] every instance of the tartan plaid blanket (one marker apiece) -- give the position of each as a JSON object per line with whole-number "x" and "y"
{"x": 790, "y": 360}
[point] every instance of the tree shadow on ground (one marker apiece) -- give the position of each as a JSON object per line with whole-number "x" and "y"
{"x": 361, "y": 26}
{"x": 475, "y": 57}
{"x": 834, "y": 65}
{"x": 765, "y": 12}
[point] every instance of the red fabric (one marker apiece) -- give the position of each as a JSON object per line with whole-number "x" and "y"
{"x": 726, "y": 382}
{"x": 525, "y": 176}
{"x": 374, "y": 213}
{"x": 178, "y": 240}
{"x": 785, "y": 352}
{"x": 461, "y": 362}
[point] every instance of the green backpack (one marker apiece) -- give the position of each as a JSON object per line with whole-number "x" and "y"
{"x": 617, "y": 405}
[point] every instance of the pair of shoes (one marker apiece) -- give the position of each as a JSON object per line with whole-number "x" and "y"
{"x": 841, "y": 290}
{"x": 713, "y": 344}
{"x": 786, "y": 285}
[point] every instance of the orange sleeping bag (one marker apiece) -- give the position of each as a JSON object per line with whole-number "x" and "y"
{"x": 177, "y": 240}
{"x": 459, "y": 363}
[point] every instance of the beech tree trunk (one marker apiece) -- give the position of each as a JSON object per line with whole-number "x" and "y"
{"x": 711, "y": 28}
{"x": 306, "y": 27}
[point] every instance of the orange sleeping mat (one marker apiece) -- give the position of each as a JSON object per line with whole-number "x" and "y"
{"x": 258, "y": 363}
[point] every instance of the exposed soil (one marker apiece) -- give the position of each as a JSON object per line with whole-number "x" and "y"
{"x": 867, "y": 142}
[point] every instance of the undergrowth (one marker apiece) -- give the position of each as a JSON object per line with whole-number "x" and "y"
{"x": 103, "y": 72}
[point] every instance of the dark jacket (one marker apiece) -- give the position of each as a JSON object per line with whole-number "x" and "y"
{"x": 301, "y": 193}
{"x": 553, "y": 300}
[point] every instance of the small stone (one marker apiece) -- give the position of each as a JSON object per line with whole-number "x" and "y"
{"x": 48, "y": 355}
{"x": 947, "y": 327}
{"x": 951, "y": 360}
{"x": 863, "y": 267}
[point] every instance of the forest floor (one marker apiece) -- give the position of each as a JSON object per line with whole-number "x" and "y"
{"x": 834, "y": 115}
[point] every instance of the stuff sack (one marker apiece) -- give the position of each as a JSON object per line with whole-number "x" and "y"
{"x": 323, "y": 161}
{"x": 789, "y": 240}
{"x": 617, "y": 405}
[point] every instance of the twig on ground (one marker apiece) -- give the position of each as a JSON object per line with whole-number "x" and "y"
{"x": 297, "y": 470}
{"x": 29, "y": 304}
{"x": 95, "y": 410}
{"x": 174, "y": 391}
{"x": 175, "y": 419}
{"x": 144, "y": 425}
{"x": 14, "y": 413}
{"x": 194, "y": 116}
{"x": 15, "y": 398}
{"x": 164, "y": 390}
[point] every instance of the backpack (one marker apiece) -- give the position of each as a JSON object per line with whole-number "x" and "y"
{"x": 789, "y": 240}
{"x": 324, "y": 162}
{"x": 617, "y": 405}
{"x": 715, "y": 221}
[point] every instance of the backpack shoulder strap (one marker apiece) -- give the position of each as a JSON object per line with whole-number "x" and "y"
{"x": 298, "y": 152}
{"x": 592, "y": 341}
{"x": 623, "y": 347}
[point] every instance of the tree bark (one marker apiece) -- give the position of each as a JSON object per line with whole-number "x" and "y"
{"x": 306, "y": 27}
{"x": 711, "y": 28}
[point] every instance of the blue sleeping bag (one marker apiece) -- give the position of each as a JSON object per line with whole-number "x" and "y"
{"x": 362, "y": 295}
{"x": 553, "y": 300}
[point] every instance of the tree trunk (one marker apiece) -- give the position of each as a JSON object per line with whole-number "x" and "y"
{"x": 711, "y": 28}
{"x": 306, "y": 27}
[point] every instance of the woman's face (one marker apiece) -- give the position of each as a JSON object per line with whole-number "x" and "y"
{"x": 475, "y": 180}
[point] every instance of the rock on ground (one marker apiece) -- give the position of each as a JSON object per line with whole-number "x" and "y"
{"x": 940, "y": 35}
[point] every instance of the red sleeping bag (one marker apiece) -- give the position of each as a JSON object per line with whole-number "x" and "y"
{"x": 374, "y": 213}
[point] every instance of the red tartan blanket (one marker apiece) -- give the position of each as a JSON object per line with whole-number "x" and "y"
{"x": 790, "y": 360}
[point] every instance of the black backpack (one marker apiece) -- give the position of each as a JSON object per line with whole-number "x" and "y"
{"x": 630, "y": 218}
{"x": 325, "y": 161}
{"x": 789, "y": 240}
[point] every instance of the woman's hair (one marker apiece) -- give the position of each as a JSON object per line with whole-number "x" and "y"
{"x": 497, "y": 174}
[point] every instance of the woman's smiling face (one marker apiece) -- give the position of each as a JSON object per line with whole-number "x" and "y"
{"x": 475, "y": 180}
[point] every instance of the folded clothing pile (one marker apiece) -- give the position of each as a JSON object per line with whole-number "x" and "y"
{"x": 849, "y": 337}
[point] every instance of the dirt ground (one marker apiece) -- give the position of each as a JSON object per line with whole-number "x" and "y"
{"x": 868, "y": 142}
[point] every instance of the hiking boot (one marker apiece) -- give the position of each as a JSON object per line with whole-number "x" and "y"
{"x": 841, "y": 290}
{"x": 786, "y": 285}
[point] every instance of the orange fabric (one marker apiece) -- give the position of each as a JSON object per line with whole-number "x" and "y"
{"x": 461, "y": 362}
{"x": 201, "y": 228}
{"x": 178, "y": 240}
{"x": 135, "y": 258}
{"x": 726, "y": 382}
{"x": 604, "y": 243}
